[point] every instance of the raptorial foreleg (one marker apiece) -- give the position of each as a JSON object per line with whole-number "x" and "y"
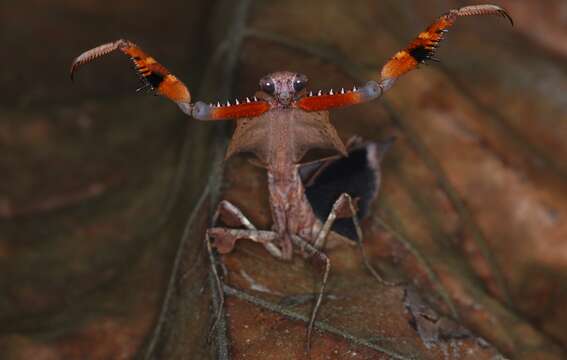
{"x": 159, "y": 79}
{"x": 420, "y": 50}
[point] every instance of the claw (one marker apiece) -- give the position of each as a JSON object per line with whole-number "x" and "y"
{"x": 153, "y": 74}
{"x": 423, "y": 48}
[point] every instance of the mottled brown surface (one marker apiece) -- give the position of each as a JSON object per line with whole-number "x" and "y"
{"x": 98, "y": 184}
{"x": 91, "y": 178}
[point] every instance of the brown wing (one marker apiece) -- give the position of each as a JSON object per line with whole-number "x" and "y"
{"x": 155, "y": 76}
{"x": 424, "y": 46}
{"x": 286, "y": 133}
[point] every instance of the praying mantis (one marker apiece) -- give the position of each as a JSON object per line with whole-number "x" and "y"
{"x": 279, "y": 125}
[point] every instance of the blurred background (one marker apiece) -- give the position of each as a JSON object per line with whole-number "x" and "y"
{"x": 105, "y": 193}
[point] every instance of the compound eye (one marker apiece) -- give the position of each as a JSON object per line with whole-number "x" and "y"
{"x": 299, "y": 83}
{"x": 267, "y": 86}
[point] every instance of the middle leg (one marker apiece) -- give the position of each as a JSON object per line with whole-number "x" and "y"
{"x": 345, "y": 207}
{"x": 225, "y": 239}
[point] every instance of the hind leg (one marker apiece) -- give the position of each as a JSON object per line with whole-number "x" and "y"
{"x": 312, "y": 251}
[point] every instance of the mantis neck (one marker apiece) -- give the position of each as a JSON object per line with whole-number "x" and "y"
{"x": 291, "y": 212}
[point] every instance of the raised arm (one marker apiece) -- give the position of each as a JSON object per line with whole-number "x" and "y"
{"x": 158, "y": 78}
{"x": 420, "y": 50}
